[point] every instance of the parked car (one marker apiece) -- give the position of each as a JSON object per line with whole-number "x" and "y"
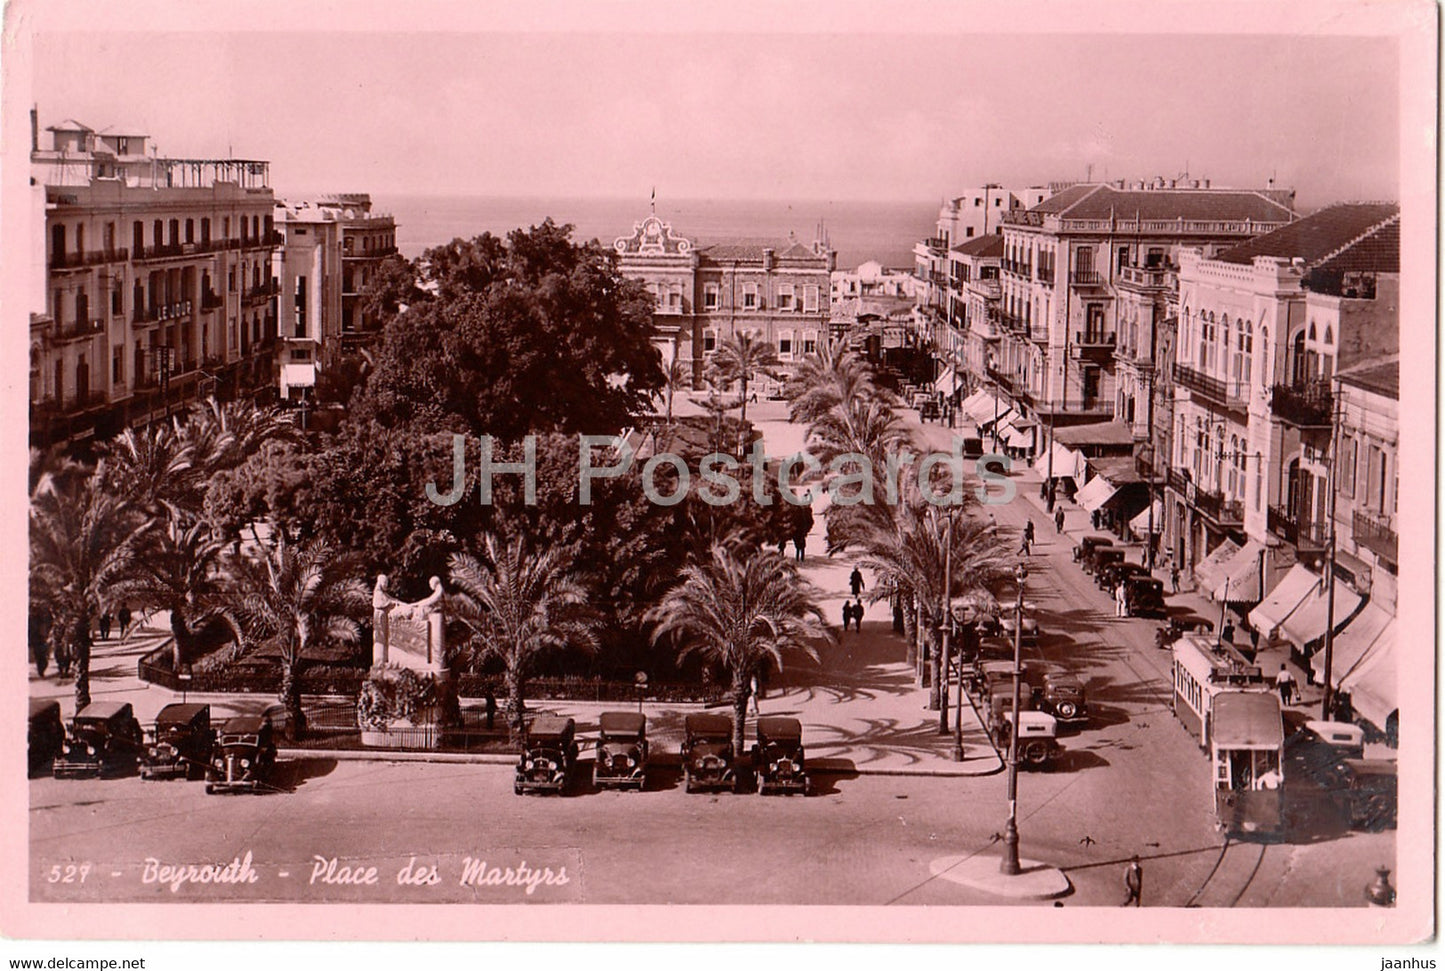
{"x": 549, "y": 752}
{"x": 1177, "y": 627}
{"x": 1110, "y": 575}
{"x": 778, "y": 760}
{"x": 1008, "y": 621}
{"x": 1000, "y": 685}
{"x": 244, "y": 755}
{"x": 972, "y": 447}
{"x": 708, "y": 759}
{"x": 1038, "y": 733}
{"x": 1368, "y": 793}
{"x": 1088, "y": 544}
{"x": 181, "y": 743}
{"x": 1144, "y": 597}
{"x": 103, "y": 737}
{"x": 1063, "y": 697}
{"x": 988, "y": 670}
{"x": 47, "y": 732}
{"x": 621, "y": 759}
{"x": 1345, "y": 739}
{"x": 1101, "y": 558}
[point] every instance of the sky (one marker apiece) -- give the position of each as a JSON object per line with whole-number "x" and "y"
{"x": 742, "y": 113}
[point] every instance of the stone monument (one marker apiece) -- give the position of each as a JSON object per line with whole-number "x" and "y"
{"x": 409, "y": 698}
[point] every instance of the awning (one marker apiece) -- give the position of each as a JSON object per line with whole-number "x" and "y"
{"x": 1374, "y": 690}
{"x": 1095, "y": 493}
{"x": 1209, "y": 572}
{"x": 1288, "y": 594}
{"x": 298, "y": 375}
{"x": 1140, "y": 523}
{"x": 1353, "y": 646}
{"x": 1239, "y": 581}
{"x": 985, "y": 423}
{"x": 972, "y": 401}
{"x": 985, "y": 407}
{"x": 1016, "y": 437}
{"x": 1067, "y": 464}
{"x": 1098, "y": 433}
{"x": 944, "y": 381}
{"x": 1310, "y": 618}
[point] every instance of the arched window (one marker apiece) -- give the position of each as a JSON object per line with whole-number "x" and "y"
{"x": 1329, "y": 336}
{"x": 1246, "y": 352}
{"x": 1233, "y": 465}
{"x": 1312, "y": 331}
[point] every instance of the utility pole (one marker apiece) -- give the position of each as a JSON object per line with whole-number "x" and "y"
{"x": 1327, "y": 701}
{"x": 1009, "y": 865}
{"x": 942, "y": 686}
{"x": 1149, "y": 542}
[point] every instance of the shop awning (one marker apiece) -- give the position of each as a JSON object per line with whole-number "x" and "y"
{"x": 987, "y": 422}
{"x": 1281, "y": 601}
{"x": 985, "y": 407}
{"x": 1096, "y": 492}
{"x": 1209, "y": 572}
{"x": 1308, "y": 621}
{"x": 968, "y": 404}
{"x": 1239, "y": 581}
{"x": 1098, "y": 433}
{"x": 1374, "y": 690}
{"x": 1067, "y": 464}
{"x": 1353, "y": 646}
{"x": 1140, "y": 523}
{"x": 1016, "y": 437}
{"x": 944, "y": 382}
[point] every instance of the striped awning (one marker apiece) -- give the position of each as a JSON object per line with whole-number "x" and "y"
{"x": 1308, "y": 621}
{"x": 1209, "y": 572}
{"x": 1282, "y": 600}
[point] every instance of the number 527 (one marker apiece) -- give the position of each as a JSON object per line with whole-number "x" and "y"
{"x": 69, "y": 873}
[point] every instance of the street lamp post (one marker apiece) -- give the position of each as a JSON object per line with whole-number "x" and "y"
{"x": 1010, "y": 863}
{"x": 942, "y": 686}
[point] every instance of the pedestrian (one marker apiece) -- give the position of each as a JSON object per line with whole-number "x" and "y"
{"x": 800, "y": 543}
{"x": 1024, "y": 544}
{"x": 782, "y": 545}
{"x": 124, "y": 617}
{"x": 897, "y": 616}
{"x": 1059, "y": 521}
{"x": 1227, "y": 634}
{"x": 491, "y": 709}
{"x": 1029, "y": 530}
{"x": 847, "y": 613}
{"x": 1120, "y": 601}
{"x": 1094, "y": 518}
{"x": 855, "y": 581}
{"x": 105, "y": 626}
{"x": 992, "y": 526}
{"x": 1174, "y": 576}
{"x": 858, "y": 615}
{"x": 1284, "y": 681}
{"x": 1134, "y": 883}
{"x": 756, "y": 691}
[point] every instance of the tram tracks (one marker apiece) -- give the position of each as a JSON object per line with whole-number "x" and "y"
{"x": 1234, "y": 870}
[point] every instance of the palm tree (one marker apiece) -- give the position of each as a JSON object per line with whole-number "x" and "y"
{"x": 830, "y": 377}
{"x": 740, "y": 357}
{"x": 83, "y": 544}
{"x": 223, "y": 435}
{"x": 299, "y": 597}
{"x": 178, "y": 570}
{"x": 153, "y": 469}
{"x": 677, "y": 376}
{"x": 740, "y": 608}
{"x": 519, "y": 603}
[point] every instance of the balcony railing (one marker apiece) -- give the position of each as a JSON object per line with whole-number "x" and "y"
{"x": 1094, "y": 338}
{"x": 1301, "y": 535}
{"x": 937, "y": 244}
{"x": 1210, "y": 503}
{"x": 1086, "y": 278}
{"x": 210, "y": 300}
{"x": 1308, "y": 406}
{"x": 1376, "y": 533}
{"x": 1221, "y": 394}
{"x": 1160, "y": 278}
{"x": 1046, "y": 274}
{"x": 79, "y": 329}
{"x": 63, "y": 261}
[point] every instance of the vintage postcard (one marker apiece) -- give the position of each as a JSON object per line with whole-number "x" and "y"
{"x": 907, "y": 472}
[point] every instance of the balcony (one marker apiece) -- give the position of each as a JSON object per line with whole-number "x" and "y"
{"x": 210, "y": 300}
{"x": 256, "y": 294}
{"x": 1210, "y": 503}
{"x": 80, "y": 329}
{"x": 1307, "y": 406}
{"x": 1378, "y": 534}
{"x": 936, "y": 245}
{"x": 1046, "y": 275}
{"x": 1093, "y": 345}
{"x": 1300, "y": 535}
{"x": 1216, "y": 394}
{"x": 74, "y": 261}
{"x": 1086, "y": 279}
{"x": 1163, "y": 277}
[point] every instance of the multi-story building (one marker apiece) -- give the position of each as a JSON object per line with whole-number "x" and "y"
{"x": 1262, "y": 327}
{"x": 777, "y": 292}
{"x": 872, "y": 279}
{"x": 973, "y": 312}
{"x": 155, "y": 285}
{"x": 329, "y": 249}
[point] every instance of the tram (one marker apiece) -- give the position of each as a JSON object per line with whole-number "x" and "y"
{"x": 1246, "y": 747}
{"x": 1202, "y": 668}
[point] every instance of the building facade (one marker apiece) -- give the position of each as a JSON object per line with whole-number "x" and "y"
{"x": 778, "y": 293}
{"x": 153, "y": 285}
{"x": 330, "y": 247}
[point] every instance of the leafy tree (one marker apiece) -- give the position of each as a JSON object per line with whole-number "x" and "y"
{"x": 297, "y": 596}
{"x": 391, "y": 286}
{"x": 519, "y": 603}
{"x": 534, "y": 333}
{"x": 740, "y": 608}
{"x": 83, "y": 544}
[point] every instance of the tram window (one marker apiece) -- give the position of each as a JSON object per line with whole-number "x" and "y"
{"x": 1241, "y": 773}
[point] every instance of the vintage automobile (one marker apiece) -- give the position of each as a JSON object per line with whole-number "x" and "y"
{"x": 1038, "y": 734}
{"x": 779, "y": 764}
{"x": 999, "y": 685}
{"x": 181, "y": 743}
{"x": 1100, "y": 559}
{"x": 1144, "y": 597}
{"x": 972, "y": 447}
{"x": 1008, "y": 621}
{"x": 1110, "y": 575}
{"x": 1177, "y": 627}
{"x": 549, "y": 751}
{"x": 47, "y": 732}
{"x": 103, "y": 737}
{"x": 244, "y": 755}
{"x": 1063, "y": 696}
{"x": 1368, "y": 794}
{"x": 1088, "y": 544}
{"x": 621, "y": 759}
{"x": 707, "y": 752}
{"x": 987, "y": 670}
{"x": 1343, "y": 738}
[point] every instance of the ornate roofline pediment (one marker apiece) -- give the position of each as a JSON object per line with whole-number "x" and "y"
{"x": 652, "y": 237}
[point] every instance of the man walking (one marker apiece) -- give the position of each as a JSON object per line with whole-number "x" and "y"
{"x": 847, "y": 613}
{"x": 1059, "y": 521}
{"x": 1120, "y": 603}
{"x": 105, "y": 626}
{"x": 1284, "y": 681}
{"x": 124, "y": 618}
{"x": 1174, "y": 576}
{"x": 1134, "y": 883}
{"x": 855, "y": 581}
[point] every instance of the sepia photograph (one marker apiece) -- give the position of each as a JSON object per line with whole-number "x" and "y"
{"x": 912, "y": 472}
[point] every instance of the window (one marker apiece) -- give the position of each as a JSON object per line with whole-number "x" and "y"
{"x": 674, "y": 299}
{"x": 175, "y": 227}
{"x": 1349, "y": 462}
{"x": 117, "y": 365}
{"x": 117, "y": 299}
{"x": 300, "y": 306}
{"x": 231, "y": 279}
{"x": 158, "y": 233}
{"x": 190, "y": 230}
{"x": 205, "y": 230}
{"x": 709, "y": 341}
{"x": 1246, "y": 352}
{"x": 709, "y": 296}
{"x": 785, "y": 296}
{"x": 785, "y": 343}
{"x": 300, "y": 354}
{"x": 810, "y": 342}
{"x": 810, "y": 298}
{"x": 968, "y": 232}
{"x": 750, "y": 296}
